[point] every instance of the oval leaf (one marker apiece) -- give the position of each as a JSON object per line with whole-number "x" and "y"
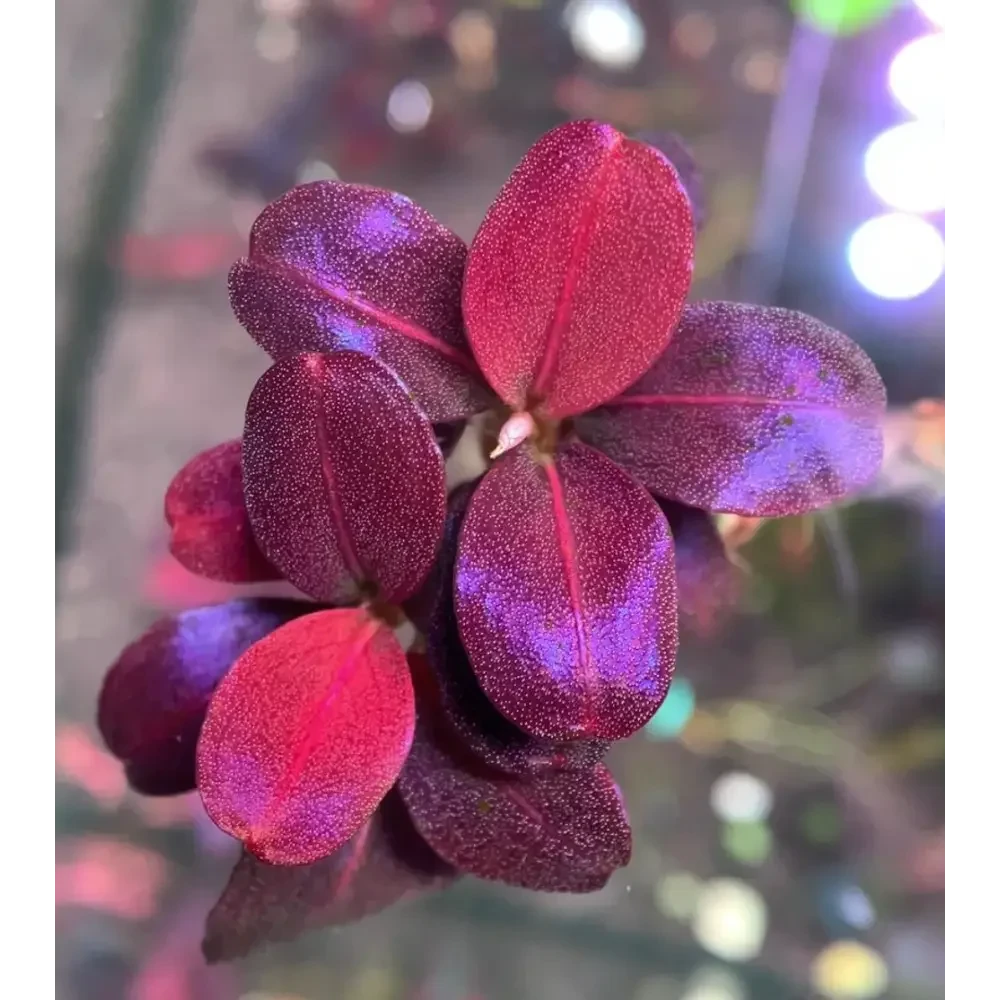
{"x": 453, "y": 686}
{"x": 155, "y": 696}
{"x": 383, "y": 863}
{"x": 589, "y": 243}
{"x": 707, "y": 583}
{"x": 337, "y": 266}
{"x": 565, "y": 595}
{"x": 345, "y": 482}
{"x": 673, "y": 147}
{"x": 751, "y": 410}
{"x": 559, "y": 832}
{"x": 305, "y": 736}
{"x": 210, "y": 532}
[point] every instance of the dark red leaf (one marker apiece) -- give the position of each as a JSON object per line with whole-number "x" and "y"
{"x": 210, "y": 532}
{"x": 707, "y": 582}
{"x": 750, "y": 410}
{"x": 344, "y": 267}
{"x": 154, "y": 697}
{"x": 453, "y": 685}
{"x": 561, "y": 831}
{"x": 306, "y": 734}
{"x": 589, "y": 244}
{"x": 344, "y": 479}
{"x": 383, "y": 863}
{"x": 676, "y": 151}
{"x": 565, "y": 595}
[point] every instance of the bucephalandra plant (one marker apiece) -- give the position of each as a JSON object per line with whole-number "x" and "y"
{"x": 545, "y": 593}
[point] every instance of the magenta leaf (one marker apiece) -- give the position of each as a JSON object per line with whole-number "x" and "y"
{"x": 676, "y": 151}
{"x": 344, "y": 480}
{"x": 453, "y": 685}
{"x": 383, "y": 863}
{"x": 750, "y": 410}
{"x": 155, "y": 696}
{"x": 337, "y": 266}
{"x": 590, "y": 243}
{"x": 560, "y": 831}
{"x": 565, "y": 595}
{"x": 707, "y": 582}
{"x": 306, "y": 734}
{"x": 210, "y": 532}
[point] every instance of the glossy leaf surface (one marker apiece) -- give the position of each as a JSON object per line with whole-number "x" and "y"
{"x": 459, "y": 698}
{"x": 337, "y": 266}
{"x": 155, "y": 696}
{"x": 565, "y": 595}
{"x": 344, "y": 479}
{"x": 589, "y": 244}
{"x": 305, "y": 736}
{"x": 750, "y": 410}
{"x": 383, "y": 863}
{"x": 707, "y": 582}
{"x": 558, "y": 832}
{"x": 210, "y": 531}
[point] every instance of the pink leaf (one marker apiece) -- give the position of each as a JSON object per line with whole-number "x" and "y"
{"x": 579, "y": 271}
{"x": 306, "y": 734}
{"x": 344, "y": 479}
{"x": 707, "y": 582}
{"x": 155, "y": 696}
{"x": 383, "y": 863}
{"x": 209, "y": 529}
{"x": 676, "y": 151}
{"x": 565, "y": 595}
{"x": 559, "y": 832}
{"x": 345, "y": 267}
{"x": 751, "y": 410}
{"x": 451, "y": 684}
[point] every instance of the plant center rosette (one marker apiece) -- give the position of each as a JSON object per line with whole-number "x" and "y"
{"x": 546, "y": 593}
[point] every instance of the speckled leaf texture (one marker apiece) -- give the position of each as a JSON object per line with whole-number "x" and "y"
{"x": 673, "y": 147}
{"x": 337, "y": 266}
{"x": 565, "y": 595}
{"x": 579, "y": 270}
{"x": 344, "y": 480}
{"x": 210, "y": 532}
{"x": 707, "y": 582}
{"x": 306, "y": 734}
{"x": 155, "y": 696}
{"x": 385, "y": 862}
{"x": 558, "y": 832}
{"x": 750, "y": 410}
{"x": 459, "y": 699}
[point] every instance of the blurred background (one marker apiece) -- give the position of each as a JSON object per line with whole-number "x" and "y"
{"x": 788, "y": 800}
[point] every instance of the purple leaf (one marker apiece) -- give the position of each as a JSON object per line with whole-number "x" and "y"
{"x": 560, "y": 831}
{"x": 344, "y": 480}
{"x": 565, "y": 595}
{"x": 337, "y": 266}
{"x": 383, "y": 863}
{"x": 590, "y": 243}
{"x": 209, "y": 529}
{"x": 306, "y": 735}
{"x": 155, "y": 696}
{"x": 453, "y": 685}
{"x": 707, "y": 582}
{"x": 750, "y": 410}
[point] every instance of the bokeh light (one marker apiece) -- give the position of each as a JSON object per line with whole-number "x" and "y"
{"x": 896, "y": 256}
{"x": 730, "y": 919}
{"x": 607, "y": 32}
{"x": 410, "y": 105}
{"x": 741, "y": 797}
{"x": 849, "y": 970}
{"x": 675, "y": 712}
{"x": 933, "y": 10}
{"x": 842, "y": 17}
{"x": 916, "y": 77}
{"x": 905, "y": 167}
{"x": 712, "y": 983}
{"x": 695, "y": 34}
{"x": 748, "y": 843}
{"x": 676, "y": 895}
